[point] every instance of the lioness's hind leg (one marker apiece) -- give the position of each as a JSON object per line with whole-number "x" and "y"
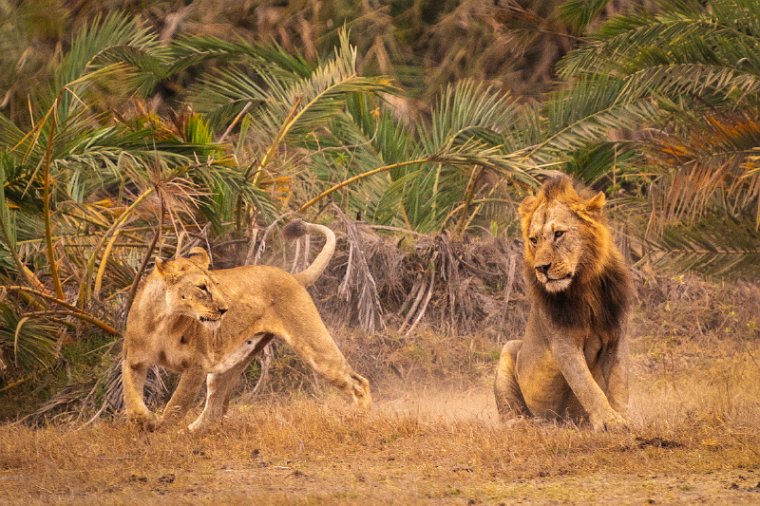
{"x": 337, "y": 371}
{"x": 509, "y": 399}
{"x": 317, "y": 348}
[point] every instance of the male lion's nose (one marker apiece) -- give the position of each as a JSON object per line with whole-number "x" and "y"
{"x": 543, "y": 268}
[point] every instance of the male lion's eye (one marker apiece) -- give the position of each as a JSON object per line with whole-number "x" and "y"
{"x": 534, "y": 240}
{"x": 558, "y": 234}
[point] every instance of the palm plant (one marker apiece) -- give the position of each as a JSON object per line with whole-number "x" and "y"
{"x": 83, "y": 182}
{"x": 699, "y": 66}
{"x": 89, "y": 187}
{"x": 329, "y": 126}
{"x": 98, "y": 175}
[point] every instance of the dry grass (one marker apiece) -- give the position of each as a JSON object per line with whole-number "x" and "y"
{"x": 433, "y": 436}
{"x": 697, "y": 439}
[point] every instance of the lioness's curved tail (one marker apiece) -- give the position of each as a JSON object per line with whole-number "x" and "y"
{"x": 296, "y": 229}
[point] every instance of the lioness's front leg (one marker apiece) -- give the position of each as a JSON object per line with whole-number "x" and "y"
{"x": 218, "y": 391}
{"x": 133, "y": 375}
{"x": 187, "y": 391}
{"x": 572, "y": 363}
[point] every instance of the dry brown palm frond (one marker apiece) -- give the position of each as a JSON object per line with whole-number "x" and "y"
{"x": 81, "y": 403}
{"x": 358, "y": 287}
{"x": 264, "y": 363}
{"x": 452, "y": 286}
{"x": 704, "y": 168}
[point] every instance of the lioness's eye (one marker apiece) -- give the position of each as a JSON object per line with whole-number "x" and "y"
{"x": 558, "y": 234}
{"x": 203, "y": 288}
{"x": 534, "y": 240}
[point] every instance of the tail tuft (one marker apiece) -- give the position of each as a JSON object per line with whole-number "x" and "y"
{"x": 294, "y": 230}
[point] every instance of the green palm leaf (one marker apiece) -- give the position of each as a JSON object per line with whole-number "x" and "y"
{"x": 716, "y": 245}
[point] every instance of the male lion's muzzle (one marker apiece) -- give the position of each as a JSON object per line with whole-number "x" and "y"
{"x": 553, "y": 279}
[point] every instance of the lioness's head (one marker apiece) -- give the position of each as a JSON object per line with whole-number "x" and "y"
{"x": 190, "y": 288}
{"x": 565, "y": 239}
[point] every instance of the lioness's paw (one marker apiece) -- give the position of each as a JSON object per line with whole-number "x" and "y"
{"x": 611, "y": 422}
{"x": 145, "y": 421}
{"x": 198, "y": 425}
{"x": 170, "y": 418}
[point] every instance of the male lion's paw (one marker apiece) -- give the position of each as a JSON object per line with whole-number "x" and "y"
{"x": 364, "y": 402}
{"x": 145, "y": 421}
{"x": 510, "y": 421}
{"x": 611, "y": 422}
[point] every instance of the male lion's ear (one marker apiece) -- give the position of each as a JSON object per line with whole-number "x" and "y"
{"x": 596, "y": 202}
{"x": 527, "y": 206}
{"x": 199, "y": 255}
{"x": 590, "y": 209}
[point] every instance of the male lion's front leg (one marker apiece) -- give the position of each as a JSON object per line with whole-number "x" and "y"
{"x": 133, "y": 375}
{"x": 187, "y": 391}
{"x": 572, "y": 363}
{"x": 509, "y": 399}
{"x": 615, "y": 371}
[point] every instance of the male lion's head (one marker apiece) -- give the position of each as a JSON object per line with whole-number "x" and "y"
{"x": 190, "y": 288}
{"x": 565, "y": 239}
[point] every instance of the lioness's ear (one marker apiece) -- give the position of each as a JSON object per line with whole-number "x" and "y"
{"x": 199, "y": 255}
{"x": 527, "y": 206}
{"x": 161, "y": 266}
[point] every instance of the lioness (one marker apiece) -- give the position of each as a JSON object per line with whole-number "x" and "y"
{"x": 208, "y": 325}
{"x": 573, "y": 362}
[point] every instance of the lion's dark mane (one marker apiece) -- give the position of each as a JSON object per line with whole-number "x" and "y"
{"x": 599, "y": 303}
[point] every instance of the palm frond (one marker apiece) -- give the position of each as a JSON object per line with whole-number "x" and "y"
{"x": 717, "y": 246}
{"x": 580, "y": 13}
{"x": 191, "y": 50}
{"x": 468, "y": 109}
{"x": 110, "y": 47}
{"x": 676, "y": 52}
{"x": 32, "y": 343}
{"x": 587, "y": 113}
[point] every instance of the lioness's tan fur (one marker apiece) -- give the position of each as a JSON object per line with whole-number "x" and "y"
{"x": 208, "y": 324}
{"x": 573, "y": 361}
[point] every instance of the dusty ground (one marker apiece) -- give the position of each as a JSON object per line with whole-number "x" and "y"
{"x": 697, "y": 440}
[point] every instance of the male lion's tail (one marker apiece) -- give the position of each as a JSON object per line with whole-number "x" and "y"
{"x": 296, "y": 229}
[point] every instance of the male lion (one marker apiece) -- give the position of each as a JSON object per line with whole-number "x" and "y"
{"x": 573, "y": 362}
{"x": 208, "y": 324}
